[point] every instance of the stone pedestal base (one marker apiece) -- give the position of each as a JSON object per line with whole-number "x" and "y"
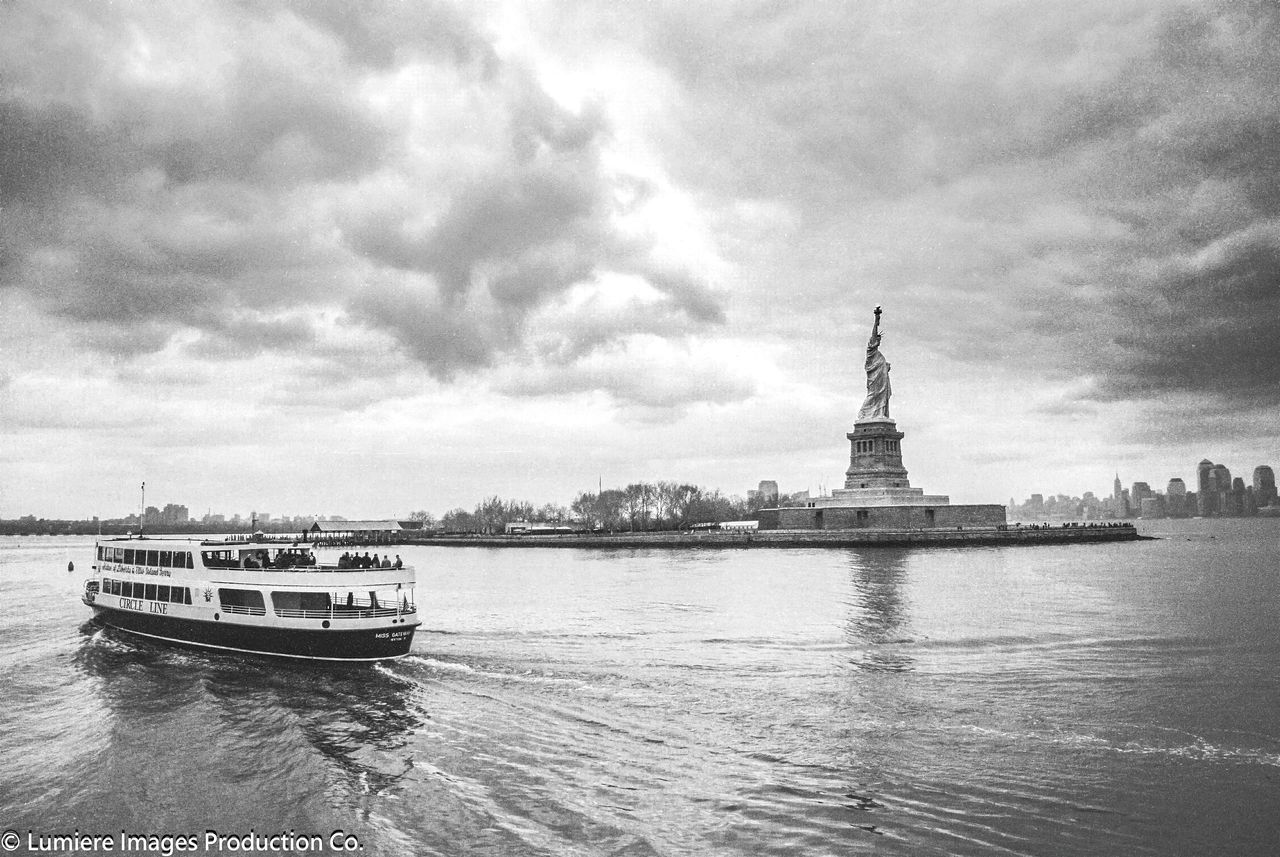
{"x": 881, "y": 497}
{"x": 875, "y": 456}
{"x": 872, "y": 517}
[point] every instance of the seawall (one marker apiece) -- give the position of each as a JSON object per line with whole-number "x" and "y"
{"x": 971, "y": 536}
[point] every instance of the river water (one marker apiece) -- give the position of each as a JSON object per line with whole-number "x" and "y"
{"x": 1061, "y": 700}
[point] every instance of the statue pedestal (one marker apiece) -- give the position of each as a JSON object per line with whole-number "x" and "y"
{"x": 876, "y": 476}
{"x": 875, "y": 456}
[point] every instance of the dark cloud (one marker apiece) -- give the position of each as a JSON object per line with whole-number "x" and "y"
{"x": 495, "y": 219}
{"x": 229, "y": 335}
{"x": 385, "y": 33}
{"x": 1209, "y": 326}
{"x": 1083, "y": 191}
{"x": 446, "y": 337}
{"x": 170, "y": 170}
{"x": 152, "y": 204}
{"x": 515, "y": 238}
{"x": 48, "y": 152}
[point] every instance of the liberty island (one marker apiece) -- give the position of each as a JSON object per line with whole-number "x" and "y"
{"x": 876, "y": 506}
{"x": 877, "y": 493}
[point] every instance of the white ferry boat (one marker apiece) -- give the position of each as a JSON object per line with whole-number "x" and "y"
{"x": 257, "y": 596}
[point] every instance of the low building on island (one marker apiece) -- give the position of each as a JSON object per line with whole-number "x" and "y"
{"x": 362, "y": 531}
{"x": 877, "y": 493}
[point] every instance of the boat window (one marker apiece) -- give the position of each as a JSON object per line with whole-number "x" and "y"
{"x": 182, "y": 560}
{"x": 153, "y": 557}
{"x": 128, "y": 556}
{"x": 219, "y": 559}
{"x": 151, "y": 592}
{"x": 162, "y": 592}
{"x": 179, "y": 595}
{"x": 283, "y": 601}
{"x": 166, "y": 559}
{"x": 242, "y": 601}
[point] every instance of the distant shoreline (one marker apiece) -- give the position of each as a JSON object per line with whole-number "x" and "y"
{"x": 975, "y": 536}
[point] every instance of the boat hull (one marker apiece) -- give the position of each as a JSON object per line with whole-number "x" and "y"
{"x": 321, "y": 644}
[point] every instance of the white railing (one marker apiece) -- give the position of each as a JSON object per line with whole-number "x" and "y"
{"x": 344, "y": 612}
{"x": 244, "y": 611}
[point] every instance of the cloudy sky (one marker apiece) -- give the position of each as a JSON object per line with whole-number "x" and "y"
{"x": 364, "y": 258}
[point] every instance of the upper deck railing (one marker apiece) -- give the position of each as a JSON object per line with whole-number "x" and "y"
{"x": 299, "y": 569}
{"x": 345, "y": 613}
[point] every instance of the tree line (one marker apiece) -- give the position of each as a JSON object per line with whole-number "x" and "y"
{"x": 640, "y": 506}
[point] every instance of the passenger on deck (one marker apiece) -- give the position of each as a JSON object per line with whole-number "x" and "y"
{"x": 398, "y": 563}
{"x": 250, "y": 561}
{"x": 386, "y": 562}
{"x": 365, "y": 562}
{"x": 376, "y": 563}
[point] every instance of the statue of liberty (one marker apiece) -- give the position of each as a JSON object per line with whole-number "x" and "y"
{"x": 876, "y": 404}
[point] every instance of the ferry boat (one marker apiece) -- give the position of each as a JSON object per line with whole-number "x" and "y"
{"x": 256, "y": 596}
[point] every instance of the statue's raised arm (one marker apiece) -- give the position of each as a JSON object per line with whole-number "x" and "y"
{"x": 876, "y": 404}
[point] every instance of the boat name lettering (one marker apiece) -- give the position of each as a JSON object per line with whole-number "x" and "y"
{"x": 121, "y": 568}
{"x": 158, "y": 607}
{"x": 132, "y": 604}
{"x": 393, "y": 635}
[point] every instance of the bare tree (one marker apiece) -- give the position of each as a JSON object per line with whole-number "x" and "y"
{"x": 428, "y": 520}
{"x": 638, "y": 497}
{"x": 665, "y": 497}
{"x": 458, "y": 521}
{"x": 687, "y": 498}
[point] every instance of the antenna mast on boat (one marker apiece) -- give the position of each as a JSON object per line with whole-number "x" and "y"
{"x": 142, "y": 510}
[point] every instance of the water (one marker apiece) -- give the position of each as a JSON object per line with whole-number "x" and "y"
{"x": 1087, "y": 699}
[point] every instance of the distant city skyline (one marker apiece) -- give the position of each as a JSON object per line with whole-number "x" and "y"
{"x": 406, "y": 255}
{"x": 1215, "y": 492}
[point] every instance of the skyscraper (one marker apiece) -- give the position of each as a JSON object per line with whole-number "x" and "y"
{"x": 1139, "y": 492}
{"x": 1176, "y": 498}
{"x": 1235, "y": 501}
{"x": 1264, "y": 485}
{"x": 1206, "y": 496}
{"x": 1221, "y": 481}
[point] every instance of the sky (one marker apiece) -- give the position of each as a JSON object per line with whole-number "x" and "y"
{"x": 365, "y": 259}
